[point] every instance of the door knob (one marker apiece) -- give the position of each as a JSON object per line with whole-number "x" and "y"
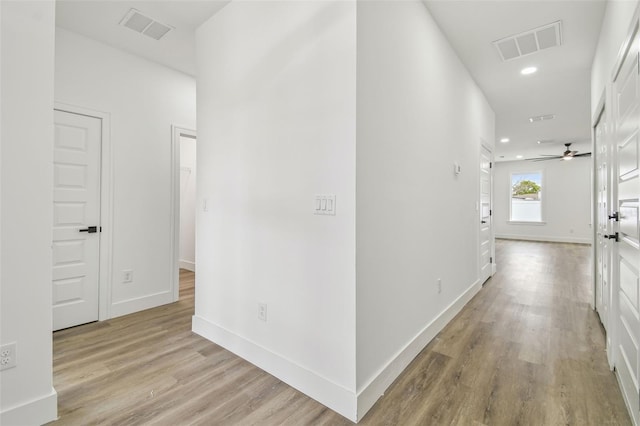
{"x": 89, "y": 230}
{"x": 612, "y": 236}
{"x": 614, "y": 215}
{"x": 483, "y": 221}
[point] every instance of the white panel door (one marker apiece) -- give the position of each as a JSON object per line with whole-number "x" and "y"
{"x": 603, "y": 245}
{"x": 76, "y": 209}
{"x": 486, "y": 222}
{"x": 627, "y": 251}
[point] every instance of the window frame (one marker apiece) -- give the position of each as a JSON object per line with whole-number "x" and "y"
{"x": 542, "y": 198}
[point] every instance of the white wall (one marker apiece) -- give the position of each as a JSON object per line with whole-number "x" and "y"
{"x": 143, "y": 99}
{"x": 418, "y": 112}
{"x": 615, "y": 26}
{"x": 26, "y": 32}
{"x": 566, "y": 201}
{"x": 187, "y": 255}
{"x": 276, "y": 114}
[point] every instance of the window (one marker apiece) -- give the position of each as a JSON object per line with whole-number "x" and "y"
{"x": 526, "y": 197}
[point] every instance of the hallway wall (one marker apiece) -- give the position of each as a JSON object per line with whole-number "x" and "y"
{"x": 143, "y": 99}
{"x": 566, "y": 201}
{"x": 276, "y": 126}
{"x": 418, "y": 112}
{"x": 27, "y": 396}
{"x": 615, "y": 26}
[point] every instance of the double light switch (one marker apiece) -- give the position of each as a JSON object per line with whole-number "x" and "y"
{"x": 325, "y": 204}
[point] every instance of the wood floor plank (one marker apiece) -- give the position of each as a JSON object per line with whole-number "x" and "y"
{"x": 527, "y": 350}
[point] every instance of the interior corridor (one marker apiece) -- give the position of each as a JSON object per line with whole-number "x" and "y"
{"x": 526, "y": 350}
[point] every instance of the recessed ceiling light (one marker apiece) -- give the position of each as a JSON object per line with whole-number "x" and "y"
{"x": 504, "y": 140}
{"x": 528, "y": 70}
{"x": 518, "y": 156}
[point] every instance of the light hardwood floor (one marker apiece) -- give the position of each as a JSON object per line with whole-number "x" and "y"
{"x": 527, "y": 350}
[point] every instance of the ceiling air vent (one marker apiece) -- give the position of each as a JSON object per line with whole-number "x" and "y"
{"x": 143, "y": 24}
{"x": 530, "y": 41}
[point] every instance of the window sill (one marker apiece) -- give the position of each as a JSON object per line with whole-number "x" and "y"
{"x": 520, "y": 222}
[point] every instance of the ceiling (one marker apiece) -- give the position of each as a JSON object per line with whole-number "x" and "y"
{"x": 561, "y": 86}
{"x": 99, "y": 19}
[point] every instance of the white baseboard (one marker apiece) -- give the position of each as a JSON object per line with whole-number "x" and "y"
{"x": 328, "y": 393}
{"x": 36, "y": 412}
{"x": 544, "y": 238}
{"x": 372, "y": 391}
{"x": 138, "y": 304}
{"x": 188, "y": 265}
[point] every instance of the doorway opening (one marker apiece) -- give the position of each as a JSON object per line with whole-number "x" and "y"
{"x": 183, "y": 204}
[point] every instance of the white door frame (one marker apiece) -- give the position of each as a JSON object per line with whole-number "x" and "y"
{"x": 106, "y": 205}
{"x": 485, "y": 145}
{"x": 594, "y": 191}
{"x": 176, "y": 133}
{"x": 632, "y": 33}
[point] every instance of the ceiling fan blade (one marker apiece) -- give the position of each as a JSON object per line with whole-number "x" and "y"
{"x": 543, "y": 159}
{"x": 548, "y": 155}
{"x": 586, "y": 154}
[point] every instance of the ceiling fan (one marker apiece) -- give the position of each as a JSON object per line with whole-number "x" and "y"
{"x": 567, "y": 155}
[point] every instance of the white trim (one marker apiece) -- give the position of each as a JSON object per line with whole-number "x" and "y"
{"x": 137, "y": 304}
{"x": 106, "y": 205}
{"x": 544, "y": 238}
{"x": 492, "y": 228}
{"x": 372, "y": 391}
{"x": 174, "y": 213}
{"x": 600, "y": 113}
{"x": 323, "y": 390}
{"x": 523, "y": 222}
{"x": 35, "y": 412}
{"x": 187, "y": 264}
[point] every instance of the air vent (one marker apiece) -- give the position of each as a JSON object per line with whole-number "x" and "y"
{"x": 143, "y": 24}
{"x": 541, "y": 118}
{"x": 530, "y": 41}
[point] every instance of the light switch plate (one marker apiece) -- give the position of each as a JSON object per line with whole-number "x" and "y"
{"x": 324, "y": 204}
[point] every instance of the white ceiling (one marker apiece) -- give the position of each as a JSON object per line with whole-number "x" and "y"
{"x": 561, "y": 85}
{"x": 100, "y": 19}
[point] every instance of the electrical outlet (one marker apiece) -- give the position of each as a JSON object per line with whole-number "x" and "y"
{"x": 8, "y": 356}
{"x": 127, "y": 276}
{"x": 439, "y": 286}
{"x": 262, "y": 311}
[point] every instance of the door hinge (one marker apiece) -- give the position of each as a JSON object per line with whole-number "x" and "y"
{"x": 490, "y": 212}
{"x": 491, "y": 260}
{"x": 490, "y": 165}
